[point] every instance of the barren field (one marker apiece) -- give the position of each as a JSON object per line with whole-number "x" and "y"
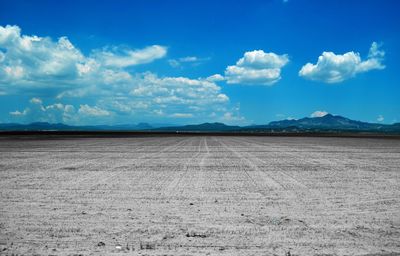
{"x": 200, "y": 196}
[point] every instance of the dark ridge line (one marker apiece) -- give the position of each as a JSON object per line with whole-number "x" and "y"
{"x": 111, "y": 134}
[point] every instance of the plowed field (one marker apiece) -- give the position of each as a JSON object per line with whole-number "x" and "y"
{"x": 200, "y": 196}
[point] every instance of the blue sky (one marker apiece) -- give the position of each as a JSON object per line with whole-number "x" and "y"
{"x": 241, "y": 62}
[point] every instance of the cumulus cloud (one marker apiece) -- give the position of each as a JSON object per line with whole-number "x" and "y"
{"x": 380, "y": 118}
{"x": 35, "y": 60}
{"x": 38, "y": 63}
{"x": 256, "y": 68}
{"x": 37, "y": 112}
{"x": 60, "y": 113}
{"x": 319, "y": 113}
{"x": 335, "y": 68}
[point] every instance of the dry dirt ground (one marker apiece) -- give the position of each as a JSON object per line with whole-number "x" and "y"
{"x": 200, "y": 196}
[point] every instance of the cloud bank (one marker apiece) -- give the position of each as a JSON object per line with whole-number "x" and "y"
{"x": 38, "y": 64}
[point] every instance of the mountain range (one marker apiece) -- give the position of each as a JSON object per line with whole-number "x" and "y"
{"x": 327, "y": 123}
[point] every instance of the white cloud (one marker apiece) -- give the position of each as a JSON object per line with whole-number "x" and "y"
{"x": 37, "y": 112}
{"x": 335, "y": 68}
{"x": 232, "y": 116}
{"x": 319, "y": 113}
{"x": 61, "y": 113}
{"x": 256, "y": 68}
{"x": 375, "y": 52}
{"x": 174, "y": 63}
{"x": 285, "y": 117}
{"x": 215, "y": 78}
{"x": 18, "y": 113}
{"x": 189, "y": 59}
{"x": 177, "y": 90}
{"x": 148, "y": 94}
{"x": 36, "y": 101}
{"x": 193, "y": 60}
{"x": 40, "y": 63}
{"x": 380, "y": 118}
{"x": 158, "y": 112}
{"x": 126, "y": 57}
{"x": 182, "y": 115}
{"x": 92, "y": 111}
{"x": 34, "y": 60}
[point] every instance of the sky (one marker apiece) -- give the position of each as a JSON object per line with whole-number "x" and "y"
{"x": 187, "y": 62}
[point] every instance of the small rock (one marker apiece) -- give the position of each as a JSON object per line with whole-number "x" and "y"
{"x": 191, "y": 204}
{"x": 101, "y": 244}
{"x": 118, "y": 247}
{"x": 83, "y": 213}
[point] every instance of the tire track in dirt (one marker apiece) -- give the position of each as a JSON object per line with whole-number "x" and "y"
{"x": 271, "y": 183}
{"x": 196, "y": 175}
{"x": 174, "y": 188}
{"x": 287, "y": 181}
{"x": 201, "y": 179}
{"x": 127, "y": 163}
{"x": 163, "y": 179}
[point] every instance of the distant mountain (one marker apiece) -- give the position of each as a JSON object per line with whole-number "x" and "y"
{"x": 44, "y": 126}
{"x": 327, "y": 124}
{"x": 328, "y": 121}
{"x": 205, "y": 127}
{"x": 37, "y": 126}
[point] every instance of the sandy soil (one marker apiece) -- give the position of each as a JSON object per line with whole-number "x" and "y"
{"x": 200, "y": 196}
